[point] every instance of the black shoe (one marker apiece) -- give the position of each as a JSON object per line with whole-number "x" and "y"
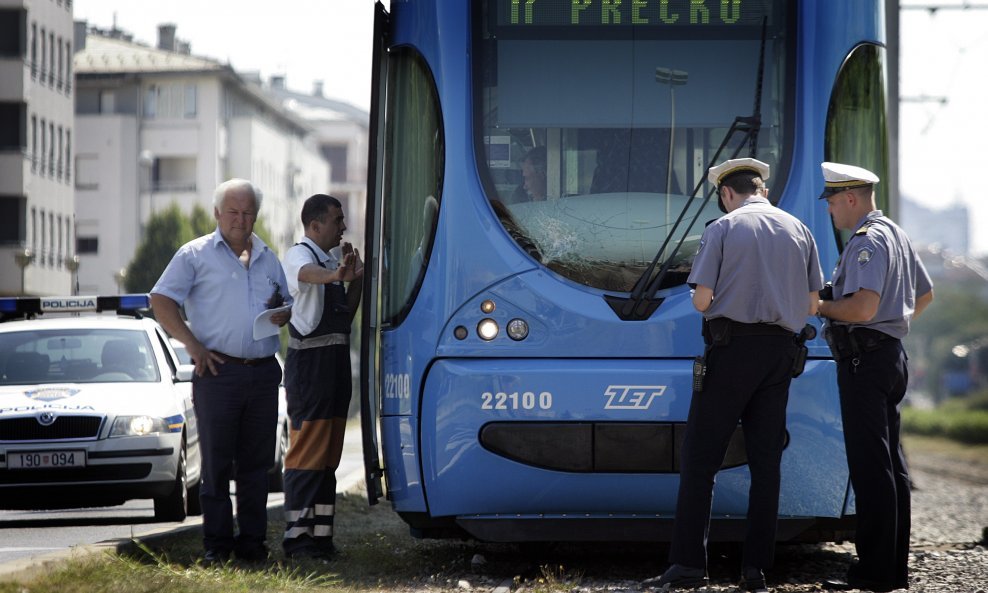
{"x": 215, "y": 557}
{"x": 253, "y": 555}
{"x": 678, "y": 576}
{"x": 753, "y": 579}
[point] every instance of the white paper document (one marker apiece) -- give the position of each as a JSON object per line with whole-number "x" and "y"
{"x": 263, "y": 326}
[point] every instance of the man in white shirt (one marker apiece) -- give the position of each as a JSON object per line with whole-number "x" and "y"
{"x": 317, "y": 374}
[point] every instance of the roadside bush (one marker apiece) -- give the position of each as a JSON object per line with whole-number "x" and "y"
{"x": 959, "y": 420}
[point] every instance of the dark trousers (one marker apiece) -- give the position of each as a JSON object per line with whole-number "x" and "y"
{"x": 748, "y": 381}
{"x": 872, "y": 386}
{"x": 237, "y": 411}
{"x": 318, "y": 388}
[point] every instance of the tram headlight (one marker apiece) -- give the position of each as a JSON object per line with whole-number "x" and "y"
{"x": 487, "y": 329}
{"x": 517, "y": 329}
{"x": 488, "y": 306}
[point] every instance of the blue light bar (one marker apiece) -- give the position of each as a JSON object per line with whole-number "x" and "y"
{"x": 30, "y": 307}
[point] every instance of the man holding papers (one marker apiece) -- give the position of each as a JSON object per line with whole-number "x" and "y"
{"x": 225, "y": 280}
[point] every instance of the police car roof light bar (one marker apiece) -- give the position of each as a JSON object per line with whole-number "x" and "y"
{"x": 29, "y": 307}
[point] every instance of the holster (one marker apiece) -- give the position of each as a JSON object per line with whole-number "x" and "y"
{"x": 846, "y": 343}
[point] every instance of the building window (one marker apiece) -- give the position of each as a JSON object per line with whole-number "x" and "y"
{"x": 190, "y": 100}
{"x": 86, "y": 245}
{"x": 68, "y": 66}
{"x": 44, "y": 148}
{"x": 51, "y": 148}
{"x": 34, "y": 143}
{"x": 107, "y": 101}
{"x": 12, "y": 219}
{"x": 86, "y": 171}
{"x": 12, "y": 32}
{"x": 61, "y": 151}
{"x": 34, "y": 229}
{"x": 68, "y": 156}
{"x": 51, "y": 59}
{"x": 151, "y": 101}
{"x": 61, "y": 64}
{"x": 337, "y": 157}
{"x": 34, "y": 50}
{"x": 13, "y": 126}
{"x": 44, "y": 55}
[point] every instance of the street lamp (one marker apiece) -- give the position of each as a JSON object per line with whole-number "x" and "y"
{"x": 146, "y": 184}
{"x": 72, "y": 264}
{"x": 23, "y": 257}
{"x": 119, "y": 276}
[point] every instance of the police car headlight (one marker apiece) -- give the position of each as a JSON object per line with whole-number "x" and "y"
{"x": 125, "y": 426}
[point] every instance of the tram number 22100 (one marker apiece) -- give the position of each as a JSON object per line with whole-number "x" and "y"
{"x": 515, "y": 401}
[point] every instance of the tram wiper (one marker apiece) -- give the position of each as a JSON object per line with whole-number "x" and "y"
{"x": 642, "y": 302}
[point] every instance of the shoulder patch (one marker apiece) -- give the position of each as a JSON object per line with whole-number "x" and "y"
{"x": 864, "y": 255}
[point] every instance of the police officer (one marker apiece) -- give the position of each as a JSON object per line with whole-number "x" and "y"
{"x": 317, "y": 374}
{"x": 879, "y": 284}
{"x": 756, "y": 277}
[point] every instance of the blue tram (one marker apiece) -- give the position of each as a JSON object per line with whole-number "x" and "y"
{"x": 536, "y": 197}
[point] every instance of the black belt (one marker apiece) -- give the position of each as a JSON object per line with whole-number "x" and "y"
{"x": 864, "y": 333}
{"x": 759, "y": 329}
{"x": 250, "y": 362}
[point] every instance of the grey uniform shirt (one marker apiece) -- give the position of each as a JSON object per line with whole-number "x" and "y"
{"x": 879, "y": 257}
{"x": 761, "y": 263}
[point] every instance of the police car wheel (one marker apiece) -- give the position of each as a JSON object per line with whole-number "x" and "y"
{"x": 174, "y": 506}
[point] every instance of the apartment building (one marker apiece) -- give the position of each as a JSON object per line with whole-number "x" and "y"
{"x": 159, "y": 125}
{"x": 37, "y": 240}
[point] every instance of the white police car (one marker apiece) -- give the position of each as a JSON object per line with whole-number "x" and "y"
{"x": 276, "y": 477}
{"x": 95, "y": 408}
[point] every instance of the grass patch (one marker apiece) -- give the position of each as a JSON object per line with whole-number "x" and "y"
{"x": 377, "y": 553}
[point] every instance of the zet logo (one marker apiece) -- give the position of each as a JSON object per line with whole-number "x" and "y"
{"x": 49, "y": 394}
{"x": 632, "y": 397}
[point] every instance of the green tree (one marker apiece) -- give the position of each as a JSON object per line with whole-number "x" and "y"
{"x": 166, "y": 231}
{"x": 203, "y": 222}
{"x": 957, "y": 316}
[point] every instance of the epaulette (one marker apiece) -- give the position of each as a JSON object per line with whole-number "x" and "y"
{"x": 864, "y": 228}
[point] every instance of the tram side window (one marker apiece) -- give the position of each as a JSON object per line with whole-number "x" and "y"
{"x": 857, "y": 123}
{"x": 412, "y": 180}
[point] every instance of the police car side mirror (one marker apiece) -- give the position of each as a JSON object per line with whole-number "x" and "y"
{"x": 184, "y": 372}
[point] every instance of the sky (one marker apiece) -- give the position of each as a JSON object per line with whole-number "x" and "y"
{"x": 943, "y": 145}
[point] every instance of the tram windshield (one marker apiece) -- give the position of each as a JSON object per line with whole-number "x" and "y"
{"x": 597, "y": 119}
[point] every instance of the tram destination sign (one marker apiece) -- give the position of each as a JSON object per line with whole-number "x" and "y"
{"x": 623, "y": 13}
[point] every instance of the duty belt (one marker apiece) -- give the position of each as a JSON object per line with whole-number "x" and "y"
{"x": 845, "y": 342}
{"x": 719, "y": 331}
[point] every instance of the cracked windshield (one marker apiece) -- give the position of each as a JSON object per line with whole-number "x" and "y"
{"x": 593, "y": 143}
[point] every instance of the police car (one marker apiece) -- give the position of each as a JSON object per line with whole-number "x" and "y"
{"x": 95, "y": 407}
{"x": 276, "y": 477}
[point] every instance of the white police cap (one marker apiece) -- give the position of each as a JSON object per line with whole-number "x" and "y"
{"x": 838, "y": 177}
{"x": 717, "y": 174}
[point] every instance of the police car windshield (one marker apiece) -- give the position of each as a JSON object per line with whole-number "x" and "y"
{"x": 76, "y": 356}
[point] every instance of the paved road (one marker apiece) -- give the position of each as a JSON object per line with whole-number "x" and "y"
{"x": 28, "y": 537}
